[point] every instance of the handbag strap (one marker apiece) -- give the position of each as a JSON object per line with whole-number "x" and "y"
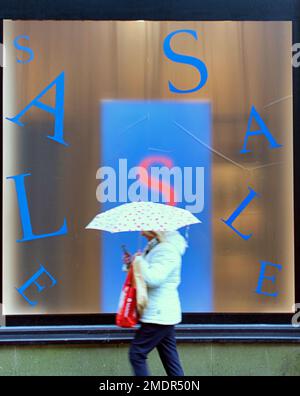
{"x": 130, "y": 278}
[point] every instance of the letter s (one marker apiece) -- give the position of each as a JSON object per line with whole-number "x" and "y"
{"x": 189, "y": 60}
{"x": 22, "y": 48}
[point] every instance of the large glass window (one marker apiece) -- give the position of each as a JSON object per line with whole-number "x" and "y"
{"x": 88, "y": 104}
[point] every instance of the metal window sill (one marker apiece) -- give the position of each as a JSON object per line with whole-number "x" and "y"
{"x": 113, "y": 334}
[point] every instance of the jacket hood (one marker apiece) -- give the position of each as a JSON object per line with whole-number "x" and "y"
{"x": 175, "y": 238}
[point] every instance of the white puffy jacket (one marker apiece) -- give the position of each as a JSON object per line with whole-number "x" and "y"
{"x": 161, "y": 270}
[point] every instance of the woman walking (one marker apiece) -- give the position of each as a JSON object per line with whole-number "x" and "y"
{"x": 160, "y": 267}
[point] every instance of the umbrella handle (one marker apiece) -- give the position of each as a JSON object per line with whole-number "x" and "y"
{"x": 125, "y": 251}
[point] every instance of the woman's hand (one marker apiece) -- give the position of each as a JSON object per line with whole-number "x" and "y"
{"x": 127, "y": 258}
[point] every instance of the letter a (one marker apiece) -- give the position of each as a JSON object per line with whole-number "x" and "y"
{"x": 57, "y": 111}
{"x": 262, "y": 131}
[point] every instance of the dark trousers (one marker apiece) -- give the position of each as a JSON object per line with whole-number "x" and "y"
{"x": 149, "y": 336}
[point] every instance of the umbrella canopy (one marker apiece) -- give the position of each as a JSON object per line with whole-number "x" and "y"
{"x": 142, "y": 216}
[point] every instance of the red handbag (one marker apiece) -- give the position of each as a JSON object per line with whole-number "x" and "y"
{"x": 127, "y": 315}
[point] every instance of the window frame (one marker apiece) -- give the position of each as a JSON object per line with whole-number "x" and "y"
{"x": 195, "y": 326}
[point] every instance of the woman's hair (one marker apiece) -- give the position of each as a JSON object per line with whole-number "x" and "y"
{"x": 160, "y": 235}
{"x": 157, "y": 235}
{"x": 154, "y": 234}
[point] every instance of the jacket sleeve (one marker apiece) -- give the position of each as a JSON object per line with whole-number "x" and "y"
{"x": 162, "y": 263}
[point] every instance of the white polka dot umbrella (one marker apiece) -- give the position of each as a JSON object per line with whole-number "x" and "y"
{"x": 142, "y": 216}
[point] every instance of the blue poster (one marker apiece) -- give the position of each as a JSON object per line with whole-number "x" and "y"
{"x": 173, "y": 134}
